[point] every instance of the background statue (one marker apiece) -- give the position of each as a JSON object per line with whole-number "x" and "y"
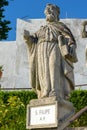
{"x": 51, "y": 56}
{"x": 86, "y": 55}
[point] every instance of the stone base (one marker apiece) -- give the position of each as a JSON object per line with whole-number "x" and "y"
{"x": 49, "y": 113}
{"x": 77, "y": 128}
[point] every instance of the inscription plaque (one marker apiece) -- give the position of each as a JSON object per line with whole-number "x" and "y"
{"x": 42, "y": 116}
{"x": 48, "y": 113}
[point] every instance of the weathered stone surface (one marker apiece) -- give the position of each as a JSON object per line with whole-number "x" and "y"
{"x": 16, "y": 55}
{"x": 78, "y": 128}
{"x": 84, "y": 31}
{"x": 51, "y": 70}
{"x": 8, "y": 60}
{"x": 62, "y": 112}
{"x": 76, "y": 27}
{"x": 86, "y": 54}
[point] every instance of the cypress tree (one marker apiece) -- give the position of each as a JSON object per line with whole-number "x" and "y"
{"x": 4, "y": 28}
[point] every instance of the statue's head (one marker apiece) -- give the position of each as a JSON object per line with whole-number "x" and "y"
{"x": 52, "y": 12}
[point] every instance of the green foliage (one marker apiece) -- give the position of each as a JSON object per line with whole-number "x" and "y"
{"x": 79, "y": 100}
{"x": 13, "y": 109}
{"x": 4, "y": 29}
{"x": 1, "y": 67}
{"x": 11, "y": 113}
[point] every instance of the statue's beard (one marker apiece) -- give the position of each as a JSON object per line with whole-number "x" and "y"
{"x": 50, "y": 18}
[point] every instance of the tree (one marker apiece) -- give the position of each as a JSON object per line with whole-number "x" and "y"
{"x": 4, "y": 28}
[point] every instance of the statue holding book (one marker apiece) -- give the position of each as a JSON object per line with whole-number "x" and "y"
{"x": 52, "y": 52}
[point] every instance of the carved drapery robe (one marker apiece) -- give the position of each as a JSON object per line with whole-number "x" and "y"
{"x": 50, "y": 72}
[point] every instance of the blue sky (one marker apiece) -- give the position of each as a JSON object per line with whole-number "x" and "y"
{"x": 31, "y": 9}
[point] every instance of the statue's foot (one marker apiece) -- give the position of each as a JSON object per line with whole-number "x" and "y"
{"x": 52, "y": 93}
{"x": 45, "y": 94}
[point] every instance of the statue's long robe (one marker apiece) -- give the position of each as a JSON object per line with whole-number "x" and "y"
{"x": 49, "y": 70}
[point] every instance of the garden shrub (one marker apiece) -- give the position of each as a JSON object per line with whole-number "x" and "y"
{"x": 79, "y": 100}
{"x": 13, "y": 108}
{"x": 11, "y": 113}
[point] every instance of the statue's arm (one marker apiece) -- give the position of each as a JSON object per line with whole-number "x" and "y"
{"x": 71, "y": 44}
{"x": 30, "y": 39}
{"x": 72, "y": 47}
{"x": 68, "y": 43}
{"x": 66, "y": 32}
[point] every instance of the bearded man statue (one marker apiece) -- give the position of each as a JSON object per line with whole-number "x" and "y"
{"x": 52, "y": 52}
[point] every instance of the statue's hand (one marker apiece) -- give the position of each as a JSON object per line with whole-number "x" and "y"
{"x": 30, "y": 38}
{"x": 26, "y": 34}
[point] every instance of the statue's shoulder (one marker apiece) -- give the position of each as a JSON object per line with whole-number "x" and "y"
{"x": 64, "y": 27}
{"x": 61, "y": 24}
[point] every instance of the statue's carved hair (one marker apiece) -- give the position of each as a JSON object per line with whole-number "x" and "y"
{"x": 55, "y": 7}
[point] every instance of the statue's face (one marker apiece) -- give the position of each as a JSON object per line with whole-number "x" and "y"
{"x": 51, "y": 14}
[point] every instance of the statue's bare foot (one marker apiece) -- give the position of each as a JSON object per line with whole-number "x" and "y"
{"x": 45, "y": 94}
{"x": 52, "y": 93}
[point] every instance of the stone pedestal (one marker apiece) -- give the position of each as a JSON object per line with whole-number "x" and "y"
{"x": 49, "y": 113}
{"x": 77, "y": 128}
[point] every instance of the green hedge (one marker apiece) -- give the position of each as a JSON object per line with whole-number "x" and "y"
{"x": 13, "y": 108}
{"x": 25, "y": 96}
{"x": 79, "y": 100}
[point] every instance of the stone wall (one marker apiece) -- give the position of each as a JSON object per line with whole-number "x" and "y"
{"x": 8, "y": 60}
{"x": 14, "y": 58}
{"x": 76, "y": 27}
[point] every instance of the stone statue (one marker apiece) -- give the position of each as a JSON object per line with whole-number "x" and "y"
{"x": 86, "y": 55}
{"x": 52, "y": 52}
{"x": 84, "y": 31}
